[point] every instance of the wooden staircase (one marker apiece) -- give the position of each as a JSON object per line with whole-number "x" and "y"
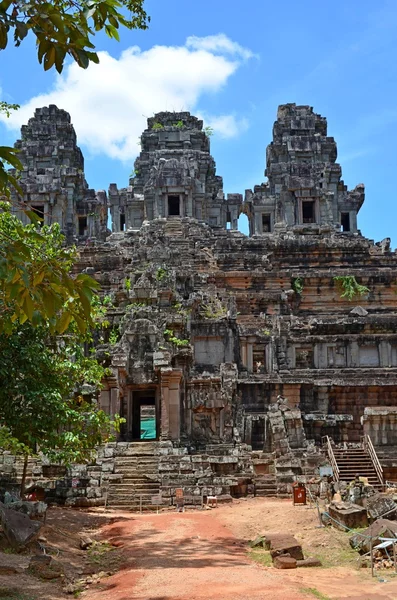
{"x": 349, "y": 461}
{"x": 140, "y": 478}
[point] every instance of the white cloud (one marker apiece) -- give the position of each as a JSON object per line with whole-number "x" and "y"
{"x": 109, "y": 102}
{"x": 218, "y": 43}
{"x": 226, "y": 126}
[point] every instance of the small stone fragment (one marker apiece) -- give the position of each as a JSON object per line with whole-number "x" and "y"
{"x": 85, "y": 542}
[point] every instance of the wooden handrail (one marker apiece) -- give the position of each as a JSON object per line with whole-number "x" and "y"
{"x": 327, "y": 443}
{"x": 369, "y": 447}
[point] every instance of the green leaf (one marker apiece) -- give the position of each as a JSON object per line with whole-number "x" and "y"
{"x": 28, "y": 306}
{"x": 49, "y": 58}
{"x": 3, "y": 36}
{"x": 64, "y": 322}
{"x": 21, "y": 29}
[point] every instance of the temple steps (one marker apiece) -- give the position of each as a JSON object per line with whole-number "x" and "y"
{"x": 138, "y": 467}
{"x": 265, "y": 486}
{"x": 355, "y": 461}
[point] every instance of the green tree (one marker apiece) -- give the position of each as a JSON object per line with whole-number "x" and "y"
{"x": 41, "y": 404}
{"x": 36, "y": 283}
{"x": 66, "y": 27}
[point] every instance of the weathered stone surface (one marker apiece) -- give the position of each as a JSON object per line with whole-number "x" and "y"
{"x": 377, "y": 529}
{"x": 348, "y": 515}
{"x": 309, "y": 562}
{"x": 285, "y": 544}
{"x": 379, "y": 505}
{"x": 30, "y": 508}
{"x": 18, "y": 528}
{"x": 284, "y": 562}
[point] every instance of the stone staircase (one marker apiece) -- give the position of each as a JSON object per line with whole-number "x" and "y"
{"x": 140, "y": 479}
{"x": 351, "y": 461}
{"x": 265, "y": 485}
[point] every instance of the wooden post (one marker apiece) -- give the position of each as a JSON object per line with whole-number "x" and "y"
{"x": 394, "y": 557}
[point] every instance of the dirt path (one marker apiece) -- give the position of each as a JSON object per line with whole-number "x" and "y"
{"x": 203, "y": 555}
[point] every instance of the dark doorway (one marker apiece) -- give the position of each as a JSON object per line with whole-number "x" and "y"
{"x": 82, "y": 225}
{"x": 122, "y": 222}
{"x": 144, "y": 422}
{"x": 266, "y": 224}
{"x": 308, "y": 215}
{"x": 173, "y": 206}
{"x": 345, "y": 221}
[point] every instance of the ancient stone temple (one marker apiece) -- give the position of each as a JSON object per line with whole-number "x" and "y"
{"x": 232, "y": 357}
{"x": 53, "y": 177}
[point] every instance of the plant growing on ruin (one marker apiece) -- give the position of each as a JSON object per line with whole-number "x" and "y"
{"x": 180, "y": 309}
{"x": 208, "y": 131}
{"x": 127, "y": 284}
{"x": 114, "y": 336}
{"x": 297, "y": 285}
{"x": 170, "y": 337}
{"x": 213, "y": 309}
{"x": 178, "y": 124}
{"x": 349, "y": 287}
{"x": 157, "y": 126}
{"x": 161, "y": 274}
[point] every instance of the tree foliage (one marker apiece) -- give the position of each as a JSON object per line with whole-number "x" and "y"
{"x": 36, "y": 283}
{"x": 41, "y": 406}
{"x": 66, "y": 27}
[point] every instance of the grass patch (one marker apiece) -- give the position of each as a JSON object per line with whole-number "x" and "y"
{"x": 13, "y": 594}
{"x": 336, "y": 557}
{"x": 315, "y": 593}
{"x": 261, "y": 556}
{"x": 104, "y": 556}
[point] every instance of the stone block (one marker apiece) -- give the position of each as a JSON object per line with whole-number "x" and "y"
{"x": 379, "y": 505}
{"x": 17, "y": 527}
{"x": 309, "y": 562}
{"x": 284, "y": 544}
{"x": 348, "y": 515}
{"x": 284, "y": 562}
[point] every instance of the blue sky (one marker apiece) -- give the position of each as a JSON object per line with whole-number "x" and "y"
{"x": 233, "y": 63}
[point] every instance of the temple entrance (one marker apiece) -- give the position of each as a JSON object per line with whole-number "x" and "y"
{"x": 143, "y": 421}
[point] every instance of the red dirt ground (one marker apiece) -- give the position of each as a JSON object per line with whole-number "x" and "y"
{"x": 201, "y": 555}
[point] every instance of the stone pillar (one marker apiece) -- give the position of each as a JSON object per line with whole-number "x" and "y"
{"x": 384, "y": 354}
{"x": 114, "y": 401}
{"x": 244, "y": 352}
{"x": 353, "y": 355}
{"x": 170, "y": 404}
{"x": 258, "y": 223}
{"x": 250, "y": 356}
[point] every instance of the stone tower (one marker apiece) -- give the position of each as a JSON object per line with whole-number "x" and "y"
{"x": 304, "y": 189}
{"x": 174, "y": 176}
{"x": 53, "y": 178}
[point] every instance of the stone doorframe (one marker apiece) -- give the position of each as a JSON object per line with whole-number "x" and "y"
{"x": 170, "y": 424}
